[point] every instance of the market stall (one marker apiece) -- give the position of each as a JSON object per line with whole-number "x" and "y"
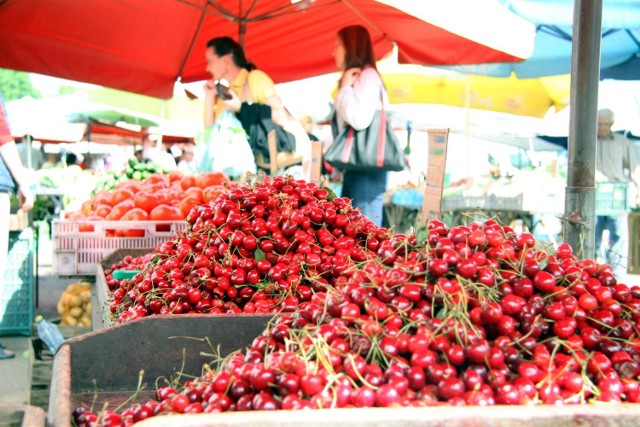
{"x": 344, "y": 328}
{"x": 274, "y": 295}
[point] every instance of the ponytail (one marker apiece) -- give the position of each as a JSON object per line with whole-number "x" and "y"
{"x": 227, "y": 46}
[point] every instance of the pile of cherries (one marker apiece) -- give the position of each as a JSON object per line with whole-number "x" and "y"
{"x": 469, "y": 315}
{"x": 263, "y": 248}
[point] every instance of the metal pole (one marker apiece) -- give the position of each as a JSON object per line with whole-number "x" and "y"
{"x": 242, "y": 34}
{"x": 579, "y": 227}
{"x": 28, "y": 141}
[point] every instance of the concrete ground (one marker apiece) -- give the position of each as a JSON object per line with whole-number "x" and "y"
{"x": 15, "y": 374}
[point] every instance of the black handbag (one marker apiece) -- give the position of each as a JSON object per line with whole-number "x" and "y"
{"x": 371, "y": 149}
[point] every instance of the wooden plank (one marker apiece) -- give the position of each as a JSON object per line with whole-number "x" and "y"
{"x": 59, "y": 413}
{"x": 21, "y": 415}
{"x": 100, "y": 295}
{"x": 621, "y": 415}
{"x": 316, "y": 161}
{"x": 437, "y": 161}
{"x": 273, "y": 152}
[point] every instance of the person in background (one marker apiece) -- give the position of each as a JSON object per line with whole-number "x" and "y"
{"x": 226, "y": 61}
{"x": 13, "y": 177}
{"x": 187, "y": 164}
{"x": 308, "y": 124}
{"x": 615, "y": 161}
{"x": 33, "y": 158}
{"x": 252, "y": 98}
{"x": 51, "y": 160}
{"x": 139, "y": 155}
{"x": 357, "y": 100}
{"x": 71, "y": 161}
{"x": 73, "y": 178}
{"x": 162, "y": 158}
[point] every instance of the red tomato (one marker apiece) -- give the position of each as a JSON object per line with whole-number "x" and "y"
{"x": 120, "y": 209}
{"x": 102, "y": 210}
{"x": 130, "y": 184}
{"x": 85, "y": 209}
{"x": 207, "y": 179}
{"x": 73, "y": 215}
{"x": 171, "y": 194}
{"x": 135, "y": 214}
{"x": 212, "y": 193}
{"x": 120, "y": 195}
{"x": 155, "y": 187}
{"x": 148, "y": 200}
{"x": 166, "y": 213}
{"x": 156, "y": 178}
{"x": 186, "y": 204}
{"x": 195, "y": 193}
{"x": 175, "y": 176}
{"x": 187, "y": 182}
{"x": 132, "y": 233}
{"x": 85, "y": 228}
{"x": 102, "y": 197}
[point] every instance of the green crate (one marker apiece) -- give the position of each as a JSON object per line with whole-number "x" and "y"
{"x": 612, "y": 198}
{"x": 17, "y": 285}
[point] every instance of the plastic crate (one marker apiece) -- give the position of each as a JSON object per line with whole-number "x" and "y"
{"x": 453, "y": 203}
{"x": 76, "y": 253}
{"x": 506, "y": 203}
{"x": 409, "y": 197}
{"x": 17, "y": 286}
{"x": 612, "y": 198}
{"x": 485, "y": 203}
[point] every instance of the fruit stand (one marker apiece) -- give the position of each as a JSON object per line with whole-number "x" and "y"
{"x": 253, "y": 303}
{"x": 366, "y": 321}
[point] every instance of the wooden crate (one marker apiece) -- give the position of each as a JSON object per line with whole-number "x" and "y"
{"x": 110, "y": 360}
{"x": 100, "y": 294}
{"x": 113, "y": 358}
{"x": 469, "y": 416}
{"x": 18, "y": 221}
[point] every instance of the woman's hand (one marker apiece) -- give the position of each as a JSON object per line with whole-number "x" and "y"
{"x": 26, "y": 199}
{"x": 234, "y": 103}
{"x": 349, "y": 77}
{"x": 210, "y": 90}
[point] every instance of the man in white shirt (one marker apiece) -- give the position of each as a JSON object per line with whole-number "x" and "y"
{"x": 616, "y": 161}
{"x": 186, "y": 164}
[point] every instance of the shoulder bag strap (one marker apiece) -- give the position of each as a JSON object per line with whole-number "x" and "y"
{"x": 382, "y": 130}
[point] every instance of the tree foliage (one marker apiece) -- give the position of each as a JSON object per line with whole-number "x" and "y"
{"x": 16, "y": 84}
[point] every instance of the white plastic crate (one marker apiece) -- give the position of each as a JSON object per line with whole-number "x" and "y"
{"x": 76, "y": 253}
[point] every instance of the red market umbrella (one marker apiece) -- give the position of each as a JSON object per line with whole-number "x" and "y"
{"x": 144, "y": 46}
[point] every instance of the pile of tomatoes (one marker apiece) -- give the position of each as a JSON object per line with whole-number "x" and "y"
{"x": 469, "y": 315}
{"x": 159, "y": 197}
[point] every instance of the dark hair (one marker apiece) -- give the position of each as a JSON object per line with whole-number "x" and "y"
{"x": 228, "y": 46}
{"x": 358, "y": 47}
{"x": 71, "y": 159}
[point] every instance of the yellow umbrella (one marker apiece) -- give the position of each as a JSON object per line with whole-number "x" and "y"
{"x": 526, "y": 97}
